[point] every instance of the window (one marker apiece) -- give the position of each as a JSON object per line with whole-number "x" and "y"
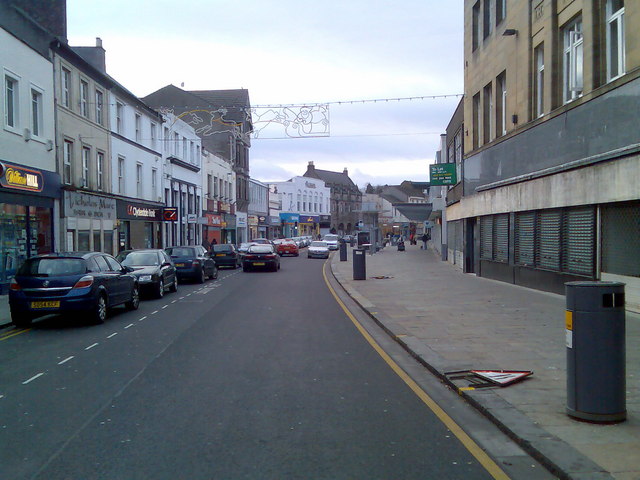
{"x": 154, "y": 127}
{"x": 139, "y": 180}
{"x": 10, "y": 101}
{"x": 476, "y": 120}
{"x": 209, "y": 185}
{"x": 100, "y": 170}
{"x": 121, "y": 175}
{"x": 67, "y": 154}
{"x": 184, "y": 149}
{"x": 192, "y": 152}
{"x": 99, "y": 107}
{"x": 66, "y": 87}
{"x": 615, "y": 39}
{"x": 84, "y": 98}
{"x": 154, "y": 180}
{"x": 86, "y": 155}
{"x": 572, "y": 60}
{"x": 119, "y": 117}
{"x": 538, "y": 81}
{"x": 487, "y": 26}
{"x": 138, "y": 127}
{"x": 487, "y": 104}
{"x": 176, "y": 143}
{"x": 501, "y": 104}
{"x": 501, "y": 10}
{"x": 475, "y": 32}
{"x": 36, "y": 112}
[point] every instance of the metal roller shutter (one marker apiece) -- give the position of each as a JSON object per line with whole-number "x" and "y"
{"x": 549, "y": 243}
{"x": 486, "y": 238}
{"x": 501, "y": 238}
{"x": 621, "y": 239}
{"x": 525, "y": 230}
{"x": 579, "y": 241}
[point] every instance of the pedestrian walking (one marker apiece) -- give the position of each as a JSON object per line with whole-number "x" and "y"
{"x": 424, "y": 238}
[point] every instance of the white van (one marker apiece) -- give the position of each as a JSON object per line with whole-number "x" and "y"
{"x": 332, "y": 241}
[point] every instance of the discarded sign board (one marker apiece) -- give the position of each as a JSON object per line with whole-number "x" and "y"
{"x": 490, "y": 378}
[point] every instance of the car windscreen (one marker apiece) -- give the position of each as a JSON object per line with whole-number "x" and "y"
{"x": 222, "y": 248}
{"x": 52, "y": 267}
{"x": 139, "y": 259}
{"x": 260, "y": 249}
{"x": 181, "y": 252}
{"x": 330, "y": 238}
{"x": 318, "y": 244}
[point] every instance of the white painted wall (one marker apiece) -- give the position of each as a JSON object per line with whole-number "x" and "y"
{"x": 32, "y": 71}
{"x": 289, "y": 191}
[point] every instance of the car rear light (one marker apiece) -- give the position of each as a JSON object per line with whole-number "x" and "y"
{"x": 270, "y": 256}
{"x": 84, "y": 282}
{"x": 196, "y": 262}
{"x": 15, "y": 286}
{"x": 250, "y": 257}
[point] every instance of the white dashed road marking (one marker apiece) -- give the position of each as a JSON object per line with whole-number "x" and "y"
{"x": 33, "y": 378}
{"x": 91, "y": 346}
{"x": 66, "y": 360}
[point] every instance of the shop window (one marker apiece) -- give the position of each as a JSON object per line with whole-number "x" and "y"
{"x": 83, "y": 240}
{"x": 107, "y": 247}
{"x": 40, "y": 219}
{"x": 13, "y": 239}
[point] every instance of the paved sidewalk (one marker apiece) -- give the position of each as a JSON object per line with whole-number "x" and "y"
{"x": 453, "y": 321}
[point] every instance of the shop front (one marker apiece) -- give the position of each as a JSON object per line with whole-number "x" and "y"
{"x": 274, "y": 228}
{"x": 241, "y": 232}
{"x": 229, "y": 228}
{"x": 252, "y": 221}
{"x": 28, "y": 200}
{"x": 212, "y": 228}
{"x": 325, "y": 224}
{"x": 309, "y": 225}
{"x": 139, "y": 224}
{"x": 289, "y": 222}
{"x": 263, "y": 226}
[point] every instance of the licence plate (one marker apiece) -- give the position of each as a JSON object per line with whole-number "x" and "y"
{"x": 219, "y": 254}
{"x": 50, "y": 304}
{"x": 179, "y": 264}
{"x": 259, "y": 264}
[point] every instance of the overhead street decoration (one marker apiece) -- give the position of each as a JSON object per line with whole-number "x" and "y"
{"x": 441, "y": 174}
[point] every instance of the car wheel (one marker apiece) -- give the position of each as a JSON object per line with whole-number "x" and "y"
{"x": 202, "y": 277}
{"x": 215, "y": 274}
{"x": 100, "y": 310}
{"x": 160, "y": 289}
{"x": 134, "y": 303}
{"x": 174, "y": 285}
{"x": 21, "y": 320}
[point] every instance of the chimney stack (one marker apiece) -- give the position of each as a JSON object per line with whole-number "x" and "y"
{"x": 346, "y": 172}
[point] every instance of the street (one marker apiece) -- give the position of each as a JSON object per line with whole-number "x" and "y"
{"x": 255, "y": 375}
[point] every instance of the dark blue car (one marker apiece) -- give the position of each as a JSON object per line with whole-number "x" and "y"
{"x": 75, "y": 282}
{"x": 193, "y": 263}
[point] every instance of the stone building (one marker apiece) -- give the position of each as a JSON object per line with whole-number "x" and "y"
{"x": 346, "y": 199}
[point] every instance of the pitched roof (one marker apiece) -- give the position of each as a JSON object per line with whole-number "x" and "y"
{"x": 235, "y": 101}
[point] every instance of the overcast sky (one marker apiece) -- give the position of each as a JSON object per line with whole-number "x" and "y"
{"x": 299, "y": 52}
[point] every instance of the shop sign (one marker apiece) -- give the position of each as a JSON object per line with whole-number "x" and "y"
{"x": 442, "y": 174}
{"x": 213, "y": 220}
{"x": 230, "y": 221}
{"x": 262, "y": 220}
{"x": 252, "y": 220}
{"x": 138, "y": 211}
{"x": 308, "y": 219}
{"x": 309, "y": 185}
{"x": 170, "y": 214}
{"x": 192, "y": 218}
{"x": 21, "y": 178}
{"x": 274, "y": 220}
{"x": 325, "y": 218}
{"x": 84, "y": 205}
{"x": 289, "y": 218}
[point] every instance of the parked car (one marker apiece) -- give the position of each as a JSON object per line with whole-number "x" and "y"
{"x": 262, "y": 241}
{"x": 225, "y": 255}
{"x": 261, "y": 256}
{"x": 192, "y": 262}
{"x": 153, "y": 267}
{"x": 75, "y": 282}
{"x": 242, "y": 250}
{"x": 287, "y": 247}
{"x": 332, "y": 241}
{"x": 318, "y": 249}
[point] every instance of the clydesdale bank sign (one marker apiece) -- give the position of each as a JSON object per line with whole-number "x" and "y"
{"x": 138, "y": 211}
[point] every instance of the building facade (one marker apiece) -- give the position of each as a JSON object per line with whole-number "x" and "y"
{"x": 305, "y": 206}
{"x": 551, "y": 162}
{"x": 258, "y": 211}
{"x": 218, "y": 181}
{"x": 29, "y": 183}
{"x": 346, "y": 199}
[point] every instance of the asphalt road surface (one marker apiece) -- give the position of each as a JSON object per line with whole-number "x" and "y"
{"x": 257, "y": 375}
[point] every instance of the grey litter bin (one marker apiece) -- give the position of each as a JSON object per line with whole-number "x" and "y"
{"x": 359, "y": 264}
{"x": 595, "y": 336}
{"x": 343, "y": 251}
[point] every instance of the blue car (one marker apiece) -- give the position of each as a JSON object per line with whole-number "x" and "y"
{"x": 86, "y": 283}
{"x": 193, "y": 263}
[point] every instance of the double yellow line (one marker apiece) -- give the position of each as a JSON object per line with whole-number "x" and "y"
{"x": 487, "y": 462}
{"x": 12, "y": 333}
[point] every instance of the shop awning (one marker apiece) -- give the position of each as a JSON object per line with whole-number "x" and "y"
{"x": 415, "y": 212}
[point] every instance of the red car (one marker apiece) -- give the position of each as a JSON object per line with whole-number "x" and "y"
{"x": 288, "y": 247}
